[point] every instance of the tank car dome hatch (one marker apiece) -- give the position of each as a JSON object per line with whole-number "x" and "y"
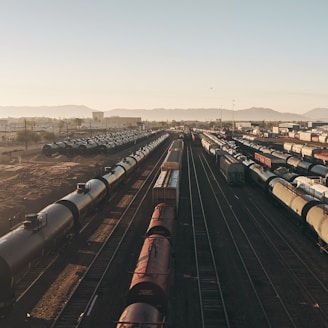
{"x": 82, "y": 187}
{"x": 35, "y": 221}
{"x": 109, "y": 169}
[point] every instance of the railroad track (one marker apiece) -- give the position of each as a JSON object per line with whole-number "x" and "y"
{"x": 264, "y": 254}
{"x": 213, "y": 310}
{"x": 81, "y": 302}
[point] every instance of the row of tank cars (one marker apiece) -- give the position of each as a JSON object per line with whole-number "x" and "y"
{"x": 100, "y": 144}
{"x": 223, "y": 150}
{"x": 309, "y": 136}
{"x": 45, "y": 230}
{"x": 294, "y": 183}
{"x": 148, "y": 294}
{"x": 299, "y": 159}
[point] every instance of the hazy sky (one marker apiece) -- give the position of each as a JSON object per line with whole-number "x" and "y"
{"x": 147, "y": 54}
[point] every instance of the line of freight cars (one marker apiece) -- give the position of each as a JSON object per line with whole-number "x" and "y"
{"x": 166, "y": 187}
{"x": 309, "y": 211}
{"x": 272, "y": 158}
{"x": 147, "y": 297}
{"x": 101, "y": 144}
{"x": 44, "y": 230}
{"x": 230, "y": 167}
{"x": 312, "y": 153}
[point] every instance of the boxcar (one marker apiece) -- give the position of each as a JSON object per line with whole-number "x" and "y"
{"x": 166, "y": 188}
{"x": 232, "y": 169}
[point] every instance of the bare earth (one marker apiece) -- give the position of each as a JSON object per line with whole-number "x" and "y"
{"x": 30, "y": 181}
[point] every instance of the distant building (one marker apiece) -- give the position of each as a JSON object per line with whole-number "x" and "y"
{"x": 117, "y": 122}
{"x": 289, "y": 126}
{"x": 98, "y": 116}
{"x": 242, "y": 126}
{"x": 314, "y": 125}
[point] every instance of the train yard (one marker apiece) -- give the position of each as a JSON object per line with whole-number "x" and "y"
{"x": 234, "y": 258}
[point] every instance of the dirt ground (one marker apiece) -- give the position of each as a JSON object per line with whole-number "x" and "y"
{"x": 30, "y": 181}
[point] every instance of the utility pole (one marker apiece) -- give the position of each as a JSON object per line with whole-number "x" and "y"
{"x": 233, "y": 116}
{"x": 221, "y": 117}
{"x": 25, "y": 132}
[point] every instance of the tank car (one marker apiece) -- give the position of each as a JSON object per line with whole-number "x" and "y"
{"x": 285, "y": 173}
{"x": 288, "y": 147}
{"x": 260, "y": 175}
{"x": 151, "y": 276}
{"x": 55, "y": 148}
{"x": 297, "y": 202}
{"x": 304, "y": 167}
{"x": 317, "y": 219}
{"x": 19, "y": 248}
{"x": 87, "y": 147}
{"x": 313, "y": 187}
{"x": 44, "y": 230}
{"x": 282, "y": 155}
{"x": 297, "y": 149}
{"x": 320, "y": 170}
{"x": 71, "y": 148}
{"x": 162, "y": 220}
{"x": 308, "y": 151}
{"x": 140, "y": 315}
{"x": 85, "y": 198}
{"x": 300, "y": 166}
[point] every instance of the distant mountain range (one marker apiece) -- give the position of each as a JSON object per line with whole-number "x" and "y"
{"x": 161, "y": 114}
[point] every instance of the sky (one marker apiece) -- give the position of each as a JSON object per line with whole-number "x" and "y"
{"x": 144, "y": 54}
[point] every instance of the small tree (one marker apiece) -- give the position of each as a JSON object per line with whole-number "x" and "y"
{"x": 78, "y": 122}
{"x": 27, "y": 136}
{"x": 48, "y": 136}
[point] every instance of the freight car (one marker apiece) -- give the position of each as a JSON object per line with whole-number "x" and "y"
{"x": 166, "y": 188}
{"x": 43, "y": 231}
{"x": 321, "y": 157}
{"x": 141, "y": 315}
{"x": 313, "y": 187}
{"x": 208, "y": 145}
{"x": 309, "y": 211}
{"x": 270, "y": 161}
{"x": 147, "y": 298}
{"x": 173, "y": 159}
{"x": 95, "y": 145}
{"x": 162, "y": 220}
{"x": 285, "y": 173}
{"x": 231, "y": 168}
{"x": 222, "y": 150}
{"x": 150, "y": 280}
